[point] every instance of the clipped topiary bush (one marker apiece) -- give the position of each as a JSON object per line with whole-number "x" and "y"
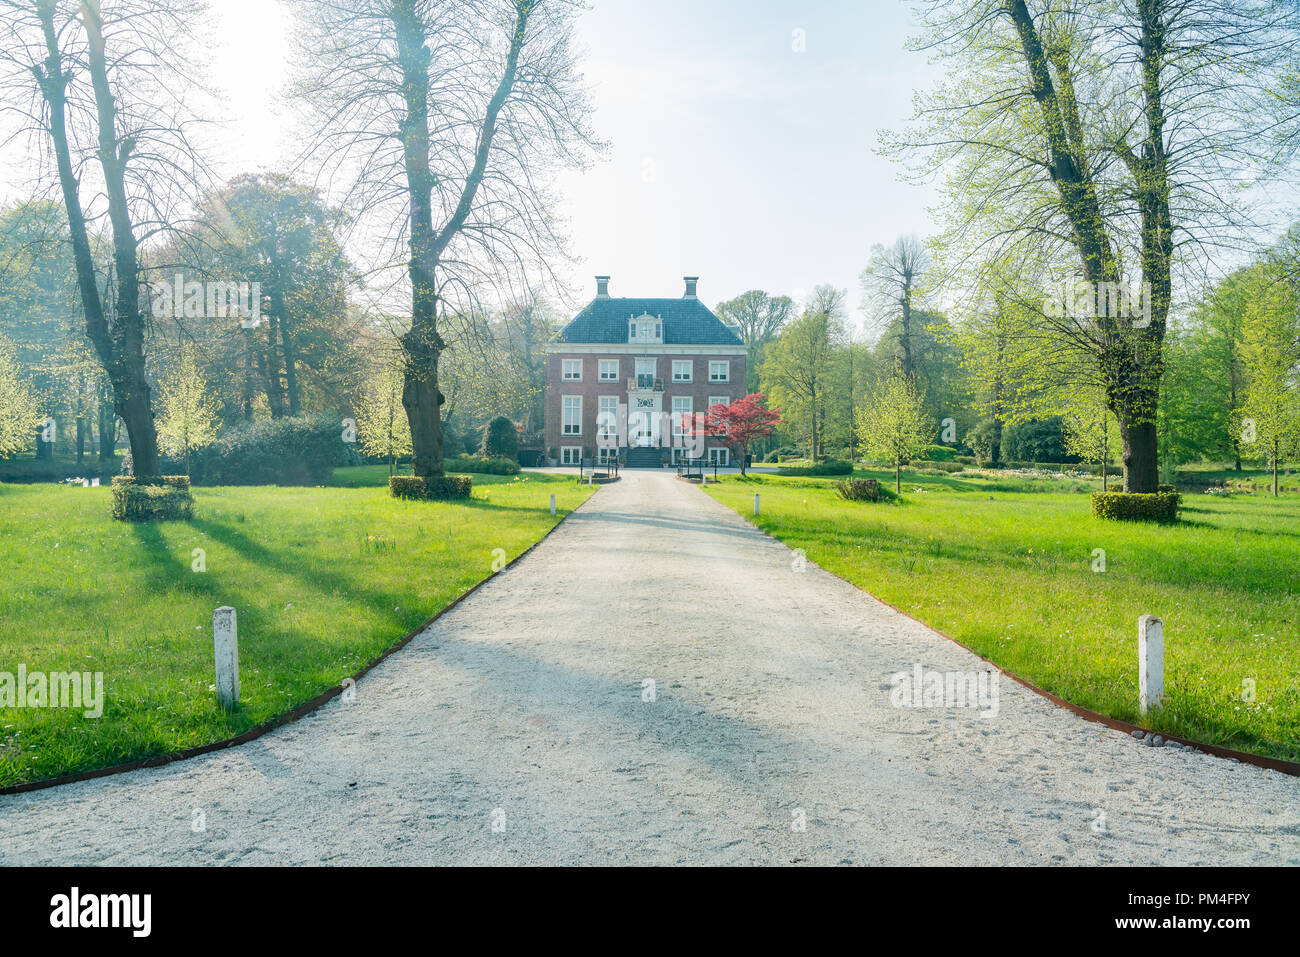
{"x": 859, "y": 490}
{"x": 500, "y": 439}
{"x": 442, "y": 488}
{"x": 1136, "y": 506}
{"x": 165, "y": 498}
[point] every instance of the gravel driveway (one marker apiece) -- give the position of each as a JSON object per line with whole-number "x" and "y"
{"x": 518, "y": 730}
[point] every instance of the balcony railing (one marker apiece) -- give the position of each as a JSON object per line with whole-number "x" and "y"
{"x": 645, "y": 383}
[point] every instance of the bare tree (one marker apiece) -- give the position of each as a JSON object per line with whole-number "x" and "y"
{"x": 104, "y": 84}
{"x": 446, "y": 117}
{"x": 890, "y": 289}
{"x": 1102, "y": 143}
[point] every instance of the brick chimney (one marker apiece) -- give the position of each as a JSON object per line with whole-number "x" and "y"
{"x": 690, "y": 287}
{"x": 602, "y": 287}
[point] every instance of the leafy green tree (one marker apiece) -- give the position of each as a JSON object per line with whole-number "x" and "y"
{"x": 797, "y": 373}
{"x": 1082, "y": 141}
{"x": 1271, "y": 351}
{"x": 382, "y": 426}
{"x": 189, "y": 418}
{"x": 19, "y": 412}
{"x": 894, "y": 426}
{"x": 1090, "y": 433}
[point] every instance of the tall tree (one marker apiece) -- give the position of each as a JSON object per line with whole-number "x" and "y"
{"x": 1271, "y": 349}
{"x": 891, "y": 286}
{"x": 1107, "y": 142}
{"x": 758, "y": 318}
{"x": 798, "y": 372}
{"x": 448, "y": 114}
{"x": 111, "y": 79}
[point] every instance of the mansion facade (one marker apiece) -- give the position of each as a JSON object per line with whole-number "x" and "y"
{"x": 622, "y": 373}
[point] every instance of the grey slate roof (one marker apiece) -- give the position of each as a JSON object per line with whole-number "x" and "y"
{"x": 687, "y": 322}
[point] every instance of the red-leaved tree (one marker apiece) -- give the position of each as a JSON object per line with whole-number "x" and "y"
{"x": 742, "y": 423}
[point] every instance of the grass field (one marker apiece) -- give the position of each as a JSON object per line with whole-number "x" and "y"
{"x": 323, "y": 580}
{"x": 1005, "y": 566}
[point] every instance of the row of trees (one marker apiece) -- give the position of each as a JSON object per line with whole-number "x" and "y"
{"x": 1229, "y": 389}
{"x": 443, "y": 120}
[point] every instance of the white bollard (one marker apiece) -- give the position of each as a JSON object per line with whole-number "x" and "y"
{"x": 552, "y": 503}
{"x": 225, "y": 645}
{"x": 756, "y": 505}
{"x": 1151, "y": 663}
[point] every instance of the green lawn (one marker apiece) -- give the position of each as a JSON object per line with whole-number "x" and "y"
{"x": 323, "y": 580}
{"x": 1004, "y": 565}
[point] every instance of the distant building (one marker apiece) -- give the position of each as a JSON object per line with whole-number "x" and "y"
{"x": 620, "y": 375}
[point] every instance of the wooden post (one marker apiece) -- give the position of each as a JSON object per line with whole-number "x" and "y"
{"x": 1151, "y": 663}
{"x": 225, "y": 644}
{"x": 756, "y": 505}
{"x": 552, "y": 503}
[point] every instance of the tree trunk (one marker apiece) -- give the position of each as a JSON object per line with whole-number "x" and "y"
{"x": 1277, "y": 453}
{"x": 290, "y": 370}
{"x": 107, "y": 430}
{"x": 121, "y": 348}
{"x": 898, "y": 478}
{"x": 81, "y": 437}
{"x": 1141, "y": 466}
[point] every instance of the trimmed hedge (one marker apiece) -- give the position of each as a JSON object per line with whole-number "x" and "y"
{"x": 439, "y": 489}
{"x": 829, "y": 467}
{"x": 302, "y": 450}
{"x": 166, "y": 498}
{"x": 481, "y": 464}
{"x": 1159, "y": 506}
{"x": 859, "y": 490}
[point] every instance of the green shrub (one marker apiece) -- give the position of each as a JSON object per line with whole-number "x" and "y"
{"x": 1136, "y": 506}
{"x": 829, "y": 467}
{"x": 500, "y": 439}
{"x": 481, "y": 465}
{"x": 298, "y": 450}
{"x": 439, "y": 489}
{"x": 776, "y": 454}
{"x": 166, "y": 498}
{"x": 859, "y": 490}
{"x": 938, "y": 453}
{"x": 938, "y": 466}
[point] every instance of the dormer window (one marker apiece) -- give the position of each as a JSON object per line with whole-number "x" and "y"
{"x": 646, "y": 329}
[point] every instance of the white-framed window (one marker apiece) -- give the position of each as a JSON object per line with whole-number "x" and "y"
{"x": 604, "y": 456}
{"x": 645, "y": 373}
{"x": 719, "y": 400}
{"x": 570, "y": 454}
{"x": 571, "y": 415}
{"x": 572, "y": 371}
{"x": 720, "y": 456}
{"x": 682, "y": 370}
{"x": 682, "y": 405}
{"x": 681, "y": 455}
{"x": 719, "y": 371}
{"x": 608, "y": 370}
{"x": 607, "y": 418}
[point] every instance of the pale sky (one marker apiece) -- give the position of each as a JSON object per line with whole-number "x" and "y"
{"x": 742, "y": 138}
{"x": 733, "y": 157}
